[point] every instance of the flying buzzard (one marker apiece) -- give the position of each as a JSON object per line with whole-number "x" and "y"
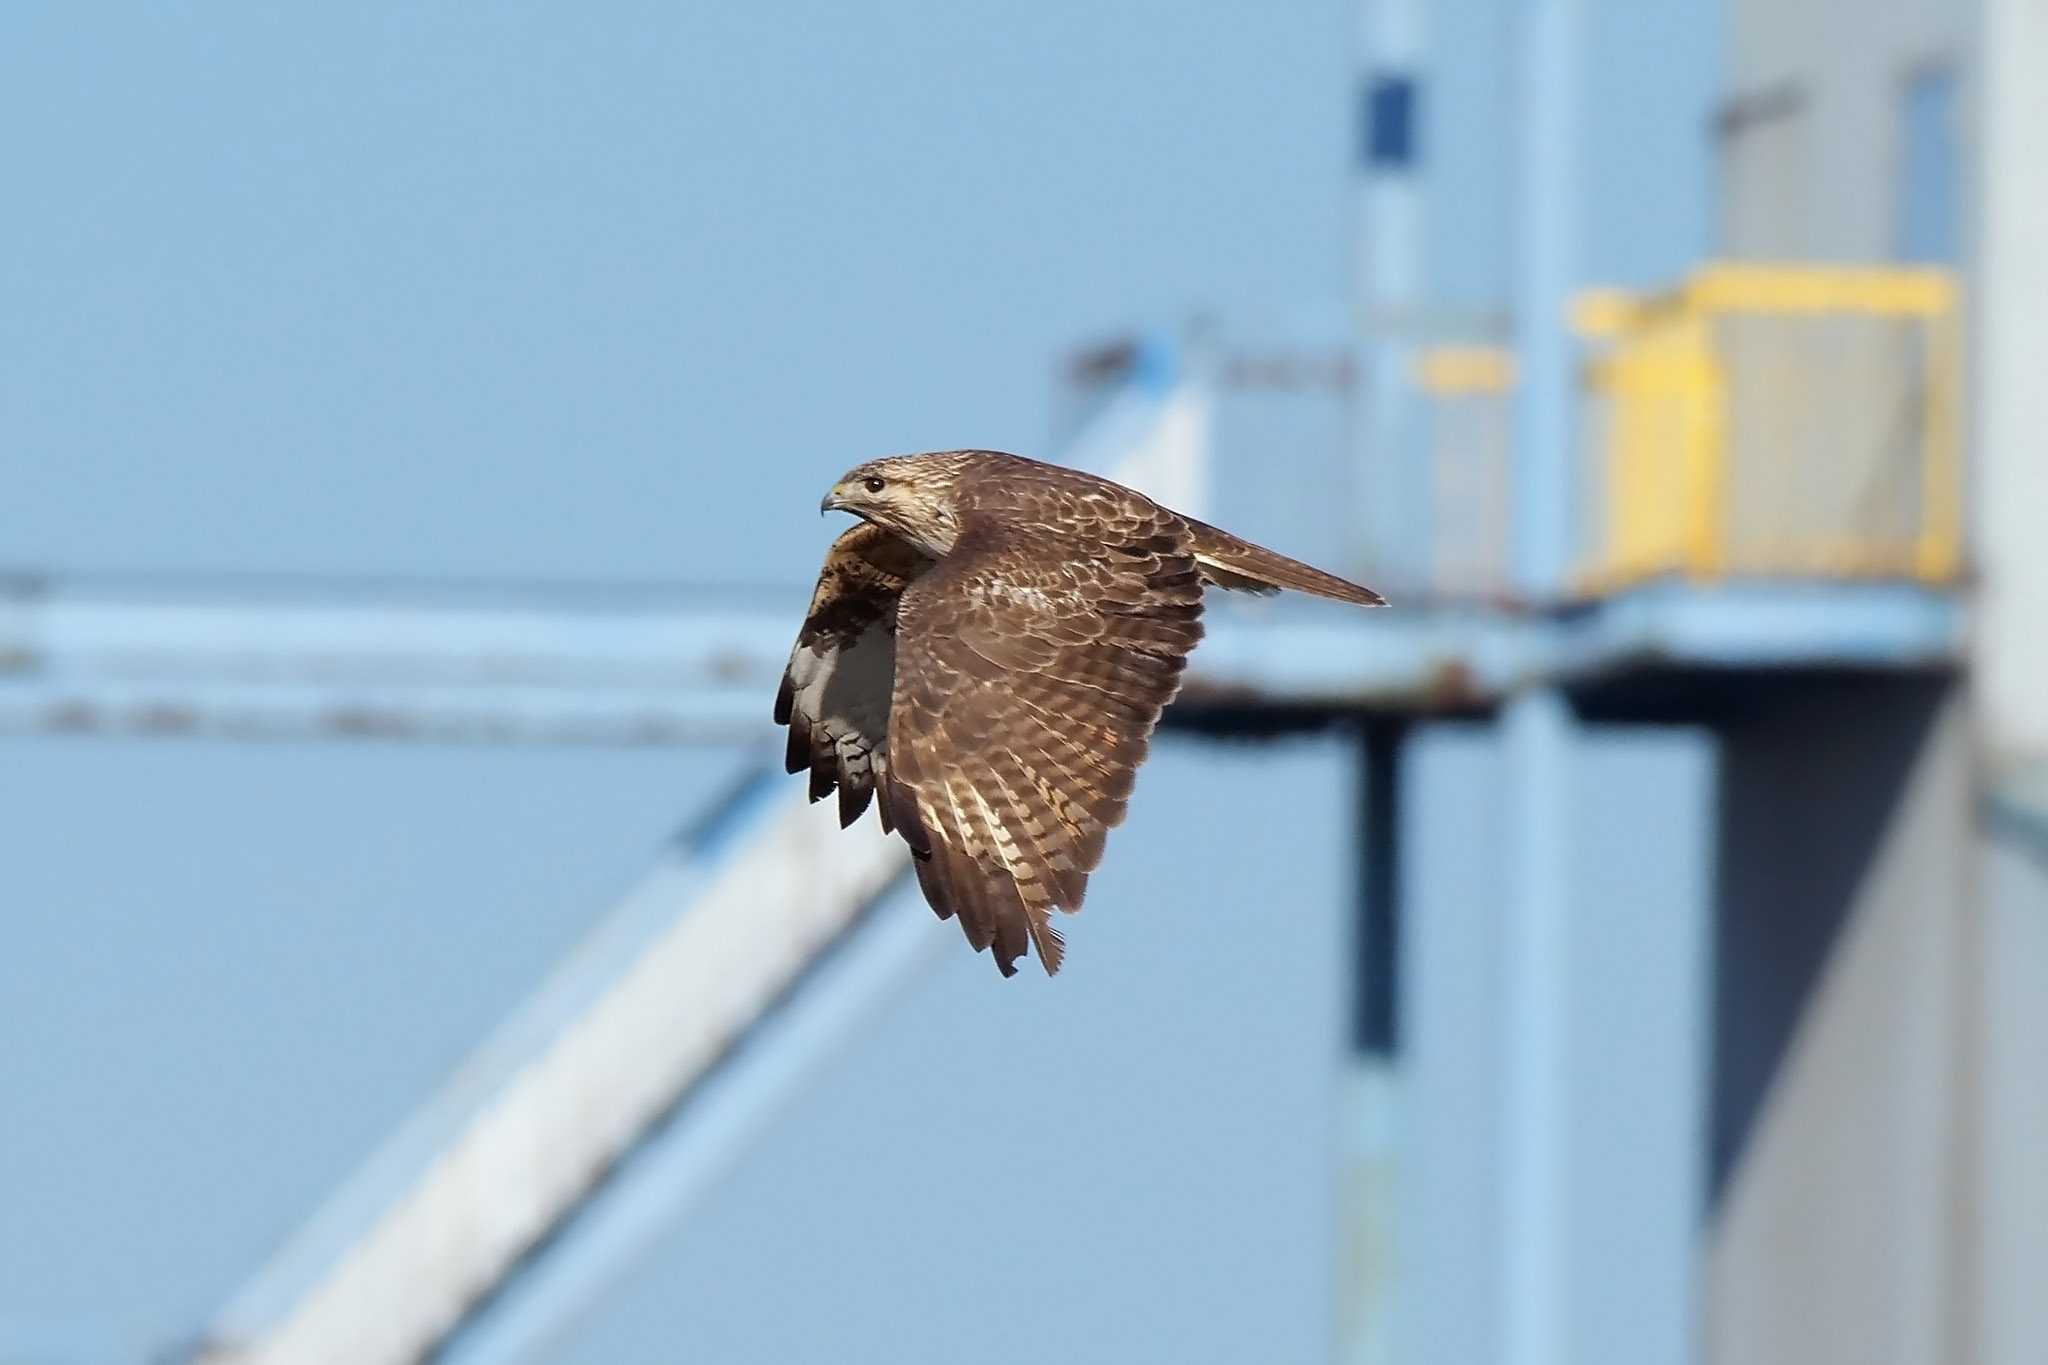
{"x": 989, "y": 649}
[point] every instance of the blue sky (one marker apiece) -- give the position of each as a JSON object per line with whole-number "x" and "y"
{"x": 528, "y": 291}
{"x": 523, "y": 291}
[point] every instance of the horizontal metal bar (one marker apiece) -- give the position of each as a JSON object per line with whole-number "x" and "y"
{"x": 226, "y": 659}
{"x": 1792, "y": 288}
{"x": 598, "y": 717}
{"x": 1444, "y": 371}
{"x": 227, "y": 635}
{"x": 1897, "y": 291}
{"x": 519, "y": 673}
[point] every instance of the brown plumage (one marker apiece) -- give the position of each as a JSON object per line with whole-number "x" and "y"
{"x": 989, "y": 650}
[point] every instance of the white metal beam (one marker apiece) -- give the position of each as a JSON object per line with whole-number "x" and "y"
{"x": 245, "y": 660}
{"x": 561, "y": 1093}
{"x": 505, "y": 670}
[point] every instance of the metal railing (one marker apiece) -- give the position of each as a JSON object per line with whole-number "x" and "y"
{"x": 1765, "y": 420}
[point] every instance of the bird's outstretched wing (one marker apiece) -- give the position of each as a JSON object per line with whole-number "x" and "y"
{"x": 1031, "y": 666}
{"x": 835, "y": 693}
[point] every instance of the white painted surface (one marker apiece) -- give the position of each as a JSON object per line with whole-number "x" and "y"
{"x": 2011, "y": 460}
{"x": 2011, "y": 1205}
{"x": 544, "y": 1108}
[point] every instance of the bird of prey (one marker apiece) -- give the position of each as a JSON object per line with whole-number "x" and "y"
{"x": 988, "y": 648}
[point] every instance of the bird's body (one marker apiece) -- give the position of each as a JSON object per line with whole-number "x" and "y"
{"x": 988, "y": 651}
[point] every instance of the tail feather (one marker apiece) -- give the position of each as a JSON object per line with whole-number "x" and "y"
{"x": 1229, "y": 562}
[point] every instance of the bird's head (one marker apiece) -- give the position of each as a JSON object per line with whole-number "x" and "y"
{"x": 911, "y": 495}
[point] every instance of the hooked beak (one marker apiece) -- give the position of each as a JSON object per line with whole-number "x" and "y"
{"x": 831, "y": 503}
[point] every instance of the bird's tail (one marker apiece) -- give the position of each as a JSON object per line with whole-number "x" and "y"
{"x": 1229, "y": 562}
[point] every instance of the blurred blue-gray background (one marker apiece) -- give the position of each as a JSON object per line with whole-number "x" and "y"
{"x": 1631, "y": 947}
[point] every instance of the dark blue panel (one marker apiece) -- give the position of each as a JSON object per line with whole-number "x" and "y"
{"x": 1390, "y": 114}
{"x": 1375, "y": 1020}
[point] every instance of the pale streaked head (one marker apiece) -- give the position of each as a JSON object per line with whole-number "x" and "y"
{"x": 911, "y": 495}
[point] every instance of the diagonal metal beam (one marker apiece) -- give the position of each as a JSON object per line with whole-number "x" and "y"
{"x": 542, "y": 1114}
{"x": 625, "y": 1083}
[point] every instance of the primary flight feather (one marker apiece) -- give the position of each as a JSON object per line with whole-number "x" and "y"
{"x": 987, "y": 652}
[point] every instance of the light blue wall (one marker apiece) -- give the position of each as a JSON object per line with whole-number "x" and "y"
{"x": 1653, "y": 83}
{"x": 1651, "y": 72}
{"x": 1454, "y": 883}
{"x": 1641, "y": 950}
{"x": 1468, "y": 153}
{"x": 1635, "y": 957}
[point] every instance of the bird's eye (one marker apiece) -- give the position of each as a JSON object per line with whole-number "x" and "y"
{"x": 874, "y": 483}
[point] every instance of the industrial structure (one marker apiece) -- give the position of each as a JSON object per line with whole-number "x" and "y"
{"x": 1700, "y": 938}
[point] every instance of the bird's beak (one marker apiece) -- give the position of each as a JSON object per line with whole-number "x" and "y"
{"x": 831, "y": 503}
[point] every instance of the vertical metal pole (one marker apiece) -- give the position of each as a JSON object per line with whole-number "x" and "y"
{"x": 1538, "y": 735}
{"x": 1538, "y": 725}
{"x": 1388, "y": 281}
{"x": 1387, "y": 284}
{"x": 1369, "y": 1153}
{"x": 1546, "y": 272}
{"x": 1377, "y": 1021}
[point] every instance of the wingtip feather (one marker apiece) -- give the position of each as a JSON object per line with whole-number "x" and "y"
{"x": 796, "y": 755}
{"x": 1046, "y": 938}
{"x": 854, "y": 795}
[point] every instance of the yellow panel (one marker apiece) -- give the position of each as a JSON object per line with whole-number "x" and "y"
{"x": 1664, "y": 472}
{"x": 1465, "y": 369}
{"x": 1821, "y": 289}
